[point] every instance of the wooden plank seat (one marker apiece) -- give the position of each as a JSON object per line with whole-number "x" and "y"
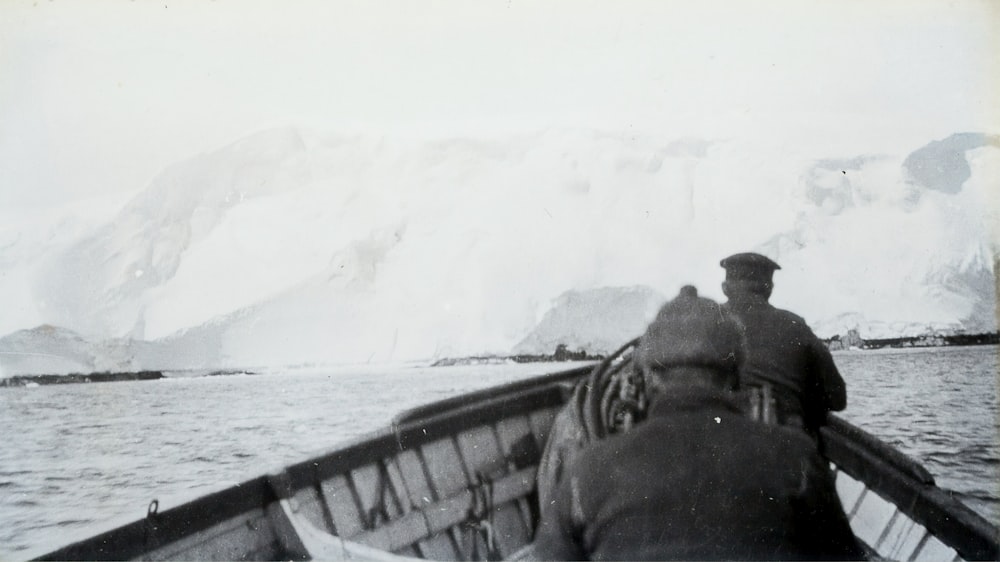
{"x": 302, "y": 537}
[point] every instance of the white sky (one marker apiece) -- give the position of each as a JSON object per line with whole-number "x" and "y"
{"x": 96, "y": 96}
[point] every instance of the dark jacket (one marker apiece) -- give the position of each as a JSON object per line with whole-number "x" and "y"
{"x": 784, "y": 353}
{"x": 698, "y": 480}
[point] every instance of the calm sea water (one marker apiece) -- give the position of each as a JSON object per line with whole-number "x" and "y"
{"x": 79, "y": 456}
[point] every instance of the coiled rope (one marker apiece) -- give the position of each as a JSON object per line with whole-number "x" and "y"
{"x": 610, "y": 400}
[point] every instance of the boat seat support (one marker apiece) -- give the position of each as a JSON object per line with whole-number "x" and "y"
{"x": 304, "y": 541}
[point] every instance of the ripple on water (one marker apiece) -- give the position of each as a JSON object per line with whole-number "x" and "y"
{"x": 71, "y": 522}
{"x": 932, "y": 405}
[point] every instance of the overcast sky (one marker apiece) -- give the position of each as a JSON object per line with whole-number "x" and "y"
{"x": 96, "y": 97}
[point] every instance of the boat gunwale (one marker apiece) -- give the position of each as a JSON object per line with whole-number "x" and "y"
{"x": 911, "y": 489}
{"x": 433, "y": 408}
{"x": 132, "y": 539}
{"x": 436, "y": 420}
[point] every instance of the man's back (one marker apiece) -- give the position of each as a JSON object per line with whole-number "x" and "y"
{"x": 784, "y": 358}
{"x": 783, "y": 352}
{"x": 698, "y": 480}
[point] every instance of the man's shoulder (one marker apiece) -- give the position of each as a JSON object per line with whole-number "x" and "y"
{"x": 763, "y": 308}
{"x": 741, "y": 437}
{"x": 788, "y": 316}
{"x": 788, "y": 437}
{"x": 791, "y": 322}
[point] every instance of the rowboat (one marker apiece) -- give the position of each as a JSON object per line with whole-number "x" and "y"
{"x": 456, "y": 480}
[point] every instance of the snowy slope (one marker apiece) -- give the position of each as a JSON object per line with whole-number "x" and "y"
{"x": 291, "y": 246}
{"x": 917, "y": 251}
{"x": 596, "y": 320}
{"x": 52, "y": 350}
{"x": 28, "y": 240}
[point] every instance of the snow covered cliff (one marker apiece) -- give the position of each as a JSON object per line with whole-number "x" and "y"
{"x": 291, "y": 246}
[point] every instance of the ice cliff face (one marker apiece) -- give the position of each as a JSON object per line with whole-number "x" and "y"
{"x": 292, "y": 247}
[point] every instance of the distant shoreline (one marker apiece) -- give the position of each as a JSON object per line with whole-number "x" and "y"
{"x": 82, "y": 378}
{"x": 835, "y": 343}
{"x": 561, "y": 356}
{"x": 853, "y": 341}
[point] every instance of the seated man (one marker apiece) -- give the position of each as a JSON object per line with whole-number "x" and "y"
{"x": 789, "y": 374}
{"x": 697, "y": 479}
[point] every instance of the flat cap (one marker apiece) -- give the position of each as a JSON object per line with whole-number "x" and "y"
{"x": 749, "y": 265}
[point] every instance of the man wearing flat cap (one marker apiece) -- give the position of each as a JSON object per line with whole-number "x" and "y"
{"x": 698, "y": 479}
{"x": 789, "y": 374}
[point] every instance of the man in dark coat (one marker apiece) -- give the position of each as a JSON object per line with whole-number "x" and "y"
{"x": 697, "y": 479}
{"x": 789, "y": 373}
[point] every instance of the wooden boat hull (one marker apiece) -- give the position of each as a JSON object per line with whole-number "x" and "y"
{"x": 455, "y": 480}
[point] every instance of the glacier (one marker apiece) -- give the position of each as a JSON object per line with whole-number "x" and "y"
{"x": 293, "y": 246}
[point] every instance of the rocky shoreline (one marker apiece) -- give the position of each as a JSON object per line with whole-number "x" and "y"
{"x": 75, "y": 378}
{"x": 561, "y": 354}
{"x": 849, "y": 341}
{"x": 79, "y": 378}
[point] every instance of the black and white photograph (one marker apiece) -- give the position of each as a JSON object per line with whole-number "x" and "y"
{"x": 499, "y": 280}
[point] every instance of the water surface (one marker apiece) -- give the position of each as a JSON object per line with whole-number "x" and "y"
{"x": 76, "y": 456}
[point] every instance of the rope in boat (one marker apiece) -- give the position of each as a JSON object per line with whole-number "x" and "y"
{"x": 610, "y": 400}
{"x": 613, "y": 398}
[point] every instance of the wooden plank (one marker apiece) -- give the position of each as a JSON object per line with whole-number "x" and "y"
{"x": 364, "y": 450}
{"x": 414, "y": 479}
{"x": 412, "y": 552}
{"x": 452, "y": 514}
{"x": 378, "y": 499}
{"x": 402, "y": 494}
{"x": 447, "y": 476}
{"x": 509, "y": 530}
{"x": 446, "y": 514}
{"x": 871, "y": 518}
{"x": 169, "y": 526}
{"x": 512, "y": 433}
{"x": 410, "y": 463}
{"x": 445, "y": 467}
{"x": 438, "y": 547}
{"x": 307, "y": 542}
{"x": 481, "y": 451}
{"x": 342, "y": 505}
{"x": 901, "y": 539}
{"x": 307, "y": 503}
{"x": 483, "y": 455}
{"x": 511, "y": 527}
{"x": 519, "y": 448}
{"x": 247, "y": 536}
{"x": 517, "y": 389}
{"x": 404, "y": 531}
{"x": 541, "y": 422}
{"x": 440, "y": 517}
{"x": 850, "y": 491}
{"x": 862, "y": 440}
{"x": 933, "y": 550}
{"x": 485, "y": 461}
{"x": 415, "y": 432}
{"x": 515, "y": 485}
{"x": 398, "y": 484}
